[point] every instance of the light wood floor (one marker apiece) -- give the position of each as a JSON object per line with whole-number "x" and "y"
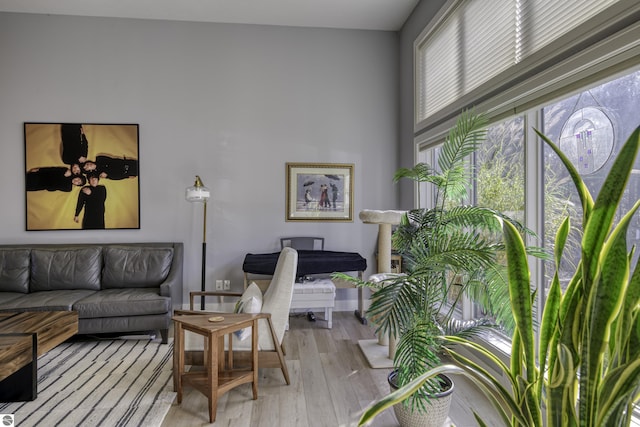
{"x": 331, "y": 383}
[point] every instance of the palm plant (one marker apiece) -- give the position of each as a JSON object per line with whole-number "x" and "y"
{"x": 447, "y": 250}
{"x": 584, "y": 369}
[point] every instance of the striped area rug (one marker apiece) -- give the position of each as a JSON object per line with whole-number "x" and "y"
{"x": 109, "y": 383}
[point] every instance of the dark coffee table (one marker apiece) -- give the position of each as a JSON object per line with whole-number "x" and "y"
{"x": 23, "y": 338}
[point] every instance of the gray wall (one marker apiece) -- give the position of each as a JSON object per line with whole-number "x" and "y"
{"x": 231, "y": 103}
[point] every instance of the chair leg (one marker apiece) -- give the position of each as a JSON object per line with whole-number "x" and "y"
{"x": 283, "y": 364}
{"x": 280, "y": 351}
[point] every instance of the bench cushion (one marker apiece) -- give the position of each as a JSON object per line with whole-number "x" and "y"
{"x": 128, "y": 267}
{"x": 323, "y": 286}
{"x": 317, "y": 294}
{"x": 14, "y": 270}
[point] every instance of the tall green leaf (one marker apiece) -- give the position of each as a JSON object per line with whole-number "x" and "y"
{"x": 520, "y": 291}
{"x": 581, "y": 188}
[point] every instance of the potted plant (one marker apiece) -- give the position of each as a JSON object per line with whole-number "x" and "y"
{"x": 584, "y": 368}
{"x": 448, "y": 250}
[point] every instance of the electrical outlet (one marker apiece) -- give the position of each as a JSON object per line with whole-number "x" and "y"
{"x": 219, "y": 285}
{"x": 227, "y": 284}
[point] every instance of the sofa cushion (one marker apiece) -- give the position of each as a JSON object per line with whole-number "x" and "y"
{"x": 135, "y": 267}
{"x": 123, "y": 302}
{"x": 73, "y": 268}
{"x": 7, "y": 298}
{"x": 61, "y": 300}
{"x": 14, "y": 270}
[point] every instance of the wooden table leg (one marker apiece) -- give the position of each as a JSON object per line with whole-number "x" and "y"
{"x": 230, "y": 353}
{"x": 221, "y": 359}
{"x": 254, "y": 357}
{"x": 178, "y": 359}
{"x": 212, "y": 368}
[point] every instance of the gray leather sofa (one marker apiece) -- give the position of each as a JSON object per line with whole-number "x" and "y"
{"x": 115, "y": 288}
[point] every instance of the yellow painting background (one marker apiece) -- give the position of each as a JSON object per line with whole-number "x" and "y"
{"x": 54, "y": 210}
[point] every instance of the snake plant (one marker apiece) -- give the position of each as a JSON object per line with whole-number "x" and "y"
{"x": 582, "y": 368}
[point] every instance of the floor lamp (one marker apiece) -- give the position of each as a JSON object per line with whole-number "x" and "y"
{"x": 198, "y": 193}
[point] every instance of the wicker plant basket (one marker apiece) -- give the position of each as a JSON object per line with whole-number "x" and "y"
{"x": 437, "y": 408}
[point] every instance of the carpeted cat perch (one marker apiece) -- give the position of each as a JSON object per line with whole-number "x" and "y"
{"x": 379, "y": 353}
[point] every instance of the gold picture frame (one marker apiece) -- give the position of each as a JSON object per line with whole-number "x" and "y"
{"x": 319, "y": 192}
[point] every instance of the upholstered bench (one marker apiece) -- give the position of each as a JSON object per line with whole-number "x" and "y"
{"x": 318, "y": 294}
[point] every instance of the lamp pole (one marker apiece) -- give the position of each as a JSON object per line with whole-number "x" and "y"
{"x": 198, "y": 193}
{"x": 204, "y": 254}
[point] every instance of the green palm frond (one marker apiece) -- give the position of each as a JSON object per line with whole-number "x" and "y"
{"x": 466, "y": 328}
{"x": 488, "y": 289}
{"x": 463, "y": 140}
{"x": 415, "y": 353}
{"x": 394, "y": 304}
{"x": 455, "y": 250}
{"x": 454, "y": 186}
{"x": 421, "y": 172}
{"x": 415, "y": 348}
{"x": 433, "y": 224}
{"x": 475, "y": 217}
{"x": 452, "y": 182}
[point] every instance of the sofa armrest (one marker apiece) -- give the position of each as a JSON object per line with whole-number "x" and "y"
{"x": 174, "y": 278}
{"x": 202, "y": 294}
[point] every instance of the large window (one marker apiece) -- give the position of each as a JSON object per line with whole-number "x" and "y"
{"x": 589, "y": 127}
{"x": 569, "y": 69}
{"x": 500, "y": 168}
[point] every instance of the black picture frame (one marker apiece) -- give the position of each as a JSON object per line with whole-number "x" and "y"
{"x": 60, "y": 196}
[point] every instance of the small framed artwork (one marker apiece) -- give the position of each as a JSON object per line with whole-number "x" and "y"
{"x": 81, "y": 176}
{"x": 319, "y": 192}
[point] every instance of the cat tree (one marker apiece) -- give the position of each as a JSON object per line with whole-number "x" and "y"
{"x": 379, "y": 353}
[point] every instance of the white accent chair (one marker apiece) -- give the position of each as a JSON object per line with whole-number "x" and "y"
{"x": 275, "y": 301}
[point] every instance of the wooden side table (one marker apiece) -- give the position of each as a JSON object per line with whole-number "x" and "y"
{"x": 218, "y": 377}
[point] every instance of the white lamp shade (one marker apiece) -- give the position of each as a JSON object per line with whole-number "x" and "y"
{"x": 198, "y": 192}
{"x": 194, "y": 194}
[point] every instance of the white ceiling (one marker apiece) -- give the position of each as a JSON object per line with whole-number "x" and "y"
{"x": 387, "y": 15}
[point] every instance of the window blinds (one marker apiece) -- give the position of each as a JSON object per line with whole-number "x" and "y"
{"x": 477, "y": 40}
{"x": 547, "y": 20}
